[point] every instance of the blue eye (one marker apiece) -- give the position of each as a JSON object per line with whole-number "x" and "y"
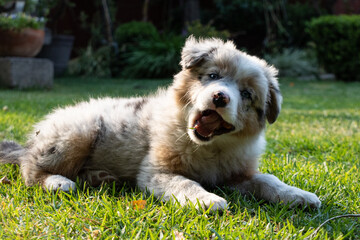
{"x": 245, "y": 94}
{"x": 214, "y": 76}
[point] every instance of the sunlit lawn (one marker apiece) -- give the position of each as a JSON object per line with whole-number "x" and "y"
{"x": 314, "y": 145}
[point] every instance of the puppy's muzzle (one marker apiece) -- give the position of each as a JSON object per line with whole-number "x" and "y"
{"x": 220, "y": 99}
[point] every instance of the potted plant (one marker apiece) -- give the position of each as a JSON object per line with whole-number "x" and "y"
{"x": 21, "y": 35}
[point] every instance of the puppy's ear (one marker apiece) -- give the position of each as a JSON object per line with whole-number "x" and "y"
{"x": 274, "y": 98}
{"x": 193, "y": 53}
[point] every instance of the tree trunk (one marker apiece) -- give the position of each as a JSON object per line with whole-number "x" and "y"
{"x": 145, "y": 10}
{"x": 109, "y": 36}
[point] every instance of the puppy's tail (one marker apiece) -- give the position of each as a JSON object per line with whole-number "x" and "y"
{"x": 10, "y": 152}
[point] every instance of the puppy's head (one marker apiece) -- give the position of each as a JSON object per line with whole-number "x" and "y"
{"x": 224, "y": 91}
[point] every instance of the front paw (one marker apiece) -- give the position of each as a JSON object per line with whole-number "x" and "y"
{"x": 297, "y": 197}
{"x": 58, "y": 182}
{"x": 212, "y": 201}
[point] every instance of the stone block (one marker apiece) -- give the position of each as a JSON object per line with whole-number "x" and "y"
{"x": 26, "y": 72}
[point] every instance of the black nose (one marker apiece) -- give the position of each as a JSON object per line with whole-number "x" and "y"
{"x": 220, "y": 99}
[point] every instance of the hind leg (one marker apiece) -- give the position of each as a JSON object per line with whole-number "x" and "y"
{"x": 57, "y": 153}
{"x": 35, "y": 175}
{"x": 55, "y": 166}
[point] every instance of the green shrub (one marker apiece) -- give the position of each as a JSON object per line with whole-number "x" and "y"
{"x": 154, "y": 58}
{"x": 337, "y": 40}
{"x": 133, "y": 32}
{"x": 94, "y": 63}
{"x": 199, "y": 30}
{"x": 130, "y": 38}
{"x": 260, "y": 25}
{"x": 294, "y": 63}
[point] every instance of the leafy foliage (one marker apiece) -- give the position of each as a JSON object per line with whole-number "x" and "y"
{"x": 143, "y": 52}
{"x": 20, "y": 21}
{"x": 94, "y": 22}
{"x": 155, "y": 58}
{"x": 260, "y": 25}
{"x": 100, "y": 57}
{"x": 337, "y": 40}
{"x": 132, "y": 32}
{"x": 198, "y": 30}
{"x": 3, "y": 2}
{"x": 294, "y": 63}
{"x": 96, "y": 63}
{"x": 146, "y": 53}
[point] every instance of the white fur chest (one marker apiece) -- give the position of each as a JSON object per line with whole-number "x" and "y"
{"x": 215, "y": 163}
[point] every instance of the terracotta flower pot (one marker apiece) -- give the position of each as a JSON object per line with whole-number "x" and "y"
{"x": 24, "y": 43}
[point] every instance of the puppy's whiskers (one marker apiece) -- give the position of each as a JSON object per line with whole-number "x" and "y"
{"x": 185, "y": 96}
{"x": 180, "y": 137}
{"x": 197, "y": 148}
{"x": 185, "y": 106}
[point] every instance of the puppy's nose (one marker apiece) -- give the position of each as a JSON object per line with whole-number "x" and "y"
{"x": 220, "y": 99}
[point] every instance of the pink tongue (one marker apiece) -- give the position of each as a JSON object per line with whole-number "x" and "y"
{"x": 206, "y": 125}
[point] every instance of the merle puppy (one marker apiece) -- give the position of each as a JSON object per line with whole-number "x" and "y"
{"x": 207, "y": 128}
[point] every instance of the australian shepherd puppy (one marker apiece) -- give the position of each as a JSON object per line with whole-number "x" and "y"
{"x": 207, "y": 128}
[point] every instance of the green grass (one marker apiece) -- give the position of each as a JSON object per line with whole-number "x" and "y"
{"x": 314, "y": 145}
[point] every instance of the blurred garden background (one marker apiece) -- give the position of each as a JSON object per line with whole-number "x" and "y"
{"x": 143, "y": 38}
{"x": 57, "y": 52}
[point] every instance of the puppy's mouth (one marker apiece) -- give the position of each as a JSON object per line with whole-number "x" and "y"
{"x": 209, "y": 123}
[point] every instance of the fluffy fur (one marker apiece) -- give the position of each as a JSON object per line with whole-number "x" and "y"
{"x": 207, "y": 128}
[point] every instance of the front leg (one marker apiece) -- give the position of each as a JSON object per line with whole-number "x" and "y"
{"x": 270, "y": 188}
{"x": 171, "y": 186}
